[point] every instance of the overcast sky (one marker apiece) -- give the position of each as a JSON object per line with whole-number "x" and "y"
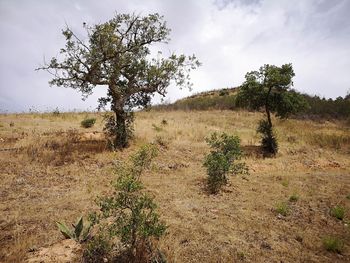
{"x": 230, "y": 37}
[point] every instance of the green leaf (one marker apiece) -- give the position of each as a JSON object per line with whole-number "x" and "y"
{"x": 78, "y": 228}
{"x": 66, "y": 232}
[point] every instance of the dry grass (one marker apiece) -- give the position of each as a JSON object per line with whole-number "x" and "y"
{"x": 56, "y": 169}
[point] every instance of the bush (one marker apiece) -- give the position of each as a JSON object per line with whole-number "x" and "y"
{"x": 333, "y": 244}
{"x": 225, "y": 149}
{"x": 97, "y": 249}
{"x": 88, "y": 123}
{"x": 131, "y": 213}
{"x": 338, "y": 212}
{"x": 268, "y": 138}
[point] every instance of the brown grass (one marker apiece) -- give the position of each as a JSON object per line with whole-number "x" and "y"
{"x": 56, "y": 169}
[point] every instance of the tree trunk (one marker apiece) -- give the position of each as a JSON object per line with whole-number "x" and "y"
{"x": 267, "y": 108}
{"x": 121, "y": 136}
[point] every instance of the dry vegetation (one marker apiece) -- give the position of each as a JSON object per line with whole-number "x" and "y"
{"x": 52, "y": 169}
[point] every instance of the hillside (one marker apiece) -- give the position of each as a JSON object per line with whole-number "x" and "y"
{"x": 52, "y": 169}
{"x": 224, "y": 99}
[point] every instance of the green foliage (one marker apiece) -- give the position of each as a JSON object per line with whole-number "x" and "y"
{"x": 333, "y": 244}
{"x": 79, "y": 232}
{"x": 282, "y": 208}
{"x": 131, "y": 213}
{"x": 97, "y": 249}
{"x": 338, "y": 212}
{"x": 118, "y": 54}
{"x": 268, "y": 139}
{"x": 88, "y": 122}
{"x": 225, "y": 150}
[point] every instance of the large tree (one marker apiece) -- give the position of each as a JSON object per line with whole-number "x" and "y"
{"x": 270, "y": 89}
{"x": 117, "y": 54}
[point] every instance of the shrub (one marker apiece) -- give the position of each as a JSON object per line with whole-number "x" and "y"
{"x": 333, "y": 244}
{"x": 88, "y": 122}
{"x": 98, "y": 249}
{"x": 338, "y": 212}
{"x": 56, "y": 112}
{"x": 268, "y": 138}
{"x": 282, "y": 208}
{"x": 131, "y": 213}
{"x": 225, "y": 149}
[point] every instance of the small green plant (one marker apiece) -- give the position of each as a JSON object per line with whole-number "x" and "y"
{"x": 225, "y": 150}
{"x": 78, "y": 232}
{"x": 88, "y": 122}
{"x": 338, "y": 212}
{"x": 285, "y": 183}
{"x": 333, "y": 244}
{"x": 268, "y": 138}
{"x": 282, "y": 208}
{"x": 98, "y": 249}
{"x": 294, "y": 197}
{"x": 131, "y": 213}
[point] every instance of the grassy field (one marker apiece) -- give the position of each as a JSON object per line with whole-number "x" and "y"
{"x": 52, "y": 169}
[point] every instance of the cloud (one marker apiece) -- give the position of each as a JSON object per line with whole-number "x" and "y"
{"x": 230, "y": 37}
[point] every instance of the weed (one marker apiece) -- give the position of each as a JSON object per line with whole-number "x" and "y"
{"x": 157, "y": 128}
{"x": 164, "y": 122}
{"x": 282, "y": 208}
{"x": 338, "y": 212}
{"x": 285, "y": 183}
{"x": 294, "y": 198}
{"x": 88, "y": 122}
{"x": 348, "y": 196}
{"x": 333, "y": 244}
{"x": 12, "y": 124}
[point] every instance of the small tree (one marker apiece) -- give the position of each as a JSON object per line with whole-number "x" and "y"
{"x": 117, "y": 54}
{"x": 130, "y": 212}
{"x": 222, "y": 160}
{"x": 270, "y": 88}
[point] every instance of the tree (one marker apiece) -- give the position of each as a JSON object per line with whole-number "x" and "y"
{"x": 270, "y": 88}
{"x": 117, "y": 54}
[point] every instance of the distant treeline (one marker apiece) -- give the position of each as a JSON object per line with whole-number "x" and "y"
{"x": 225, "y": 99}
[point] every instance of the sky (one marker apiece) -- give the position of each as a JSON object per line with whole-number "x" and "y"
{"x": 229, "y": 37}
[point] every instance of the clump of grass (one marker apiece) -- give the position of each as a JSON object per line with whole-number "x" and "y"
{"x": 285, "y": 183}
{"x": 338, "y": 212}
{"x": 282, "y": 208}
{"x": 164, "y": 122}
{"x": 333, "y": 244}
{"x": 88, "y": 122}
{"x": 294, "y": 197}
{"x": 157, "y": 128}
